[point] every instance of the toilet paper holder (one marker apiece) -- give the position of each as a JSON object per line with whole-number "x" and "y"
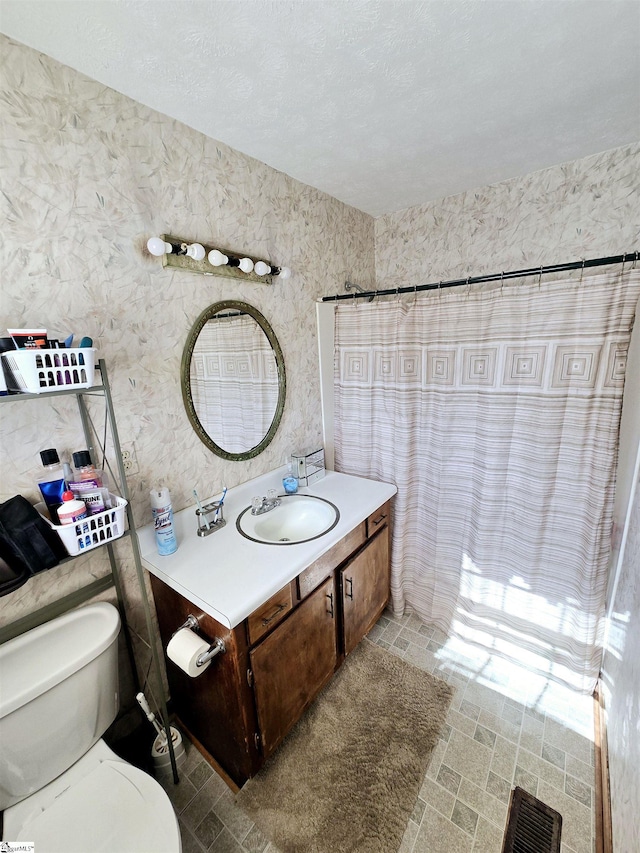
{"x": 216, "y": 648}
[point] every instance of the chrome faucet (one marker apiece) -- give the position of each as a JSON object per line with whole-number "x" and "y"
{"x": 261, "y": 505}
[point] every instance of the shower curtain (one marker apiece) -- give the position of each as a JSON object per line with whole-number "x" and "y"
{"x": 496, "y": 414}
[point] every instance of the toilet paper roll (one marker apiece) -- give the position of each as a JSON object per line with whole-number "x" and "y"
{"x": 185, "y": 648}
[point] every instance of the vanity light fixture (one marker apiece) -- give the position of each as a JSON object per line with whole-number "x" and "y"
{"x": 158, "y": 246}
{"x": 262, "y": 268}
{"x": 218, "y": 259}
{"x": 174, "y": 253}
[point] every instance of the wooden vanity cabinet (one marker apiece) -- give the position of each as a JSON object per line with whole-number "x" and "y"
{"x": 277, "y": 660}
{"x": 216, "y": 709}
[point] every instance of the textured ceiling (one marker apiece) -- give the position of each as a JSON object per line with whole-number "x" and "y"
{"x": 382, "y": 104}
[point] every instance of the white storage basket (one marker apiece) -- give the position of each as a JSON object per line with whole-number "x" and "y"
{"x": 36, "y": 371}
{"x": 94, "y": 530}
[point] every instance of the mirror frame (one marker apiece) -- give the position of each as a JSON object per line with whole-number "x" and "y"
{"x": 185, "y": 373}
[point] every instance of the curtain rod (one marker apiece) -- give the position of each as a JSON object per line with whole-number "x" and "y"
{"x": 479, "y": 279}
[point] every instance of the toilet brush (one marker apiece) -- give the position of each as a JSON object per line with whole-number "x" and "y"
{"x": 150, "y": 715}
{"x": 160, "y": 747}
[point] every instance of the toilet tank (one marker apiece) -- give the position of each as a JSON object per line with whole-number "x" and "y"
{"x": 58, "y": 695}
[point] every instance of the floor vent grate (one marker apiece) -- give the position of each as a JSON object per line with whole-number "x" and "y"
{"x": 533, "y": 827}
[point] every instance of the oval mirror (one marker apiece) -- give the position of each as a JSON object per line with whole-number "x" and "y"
{"x": 233, "y": 380}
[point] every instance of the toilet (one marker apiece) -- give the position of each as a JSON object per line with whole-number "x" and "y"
{"x": 61, "y": 786}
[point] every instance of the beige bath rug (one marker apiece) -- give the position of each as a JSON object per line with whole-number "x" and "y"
{"x": 346, "y": 778}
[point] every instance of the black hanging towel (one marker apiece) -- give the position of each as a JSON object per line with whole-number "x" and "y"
{"x": 28, "y": 545}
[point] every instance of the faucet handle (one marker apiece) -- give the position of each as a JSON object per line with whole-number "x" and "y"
{"x": 272, "y": 494}
{"x": 256, "y": 502}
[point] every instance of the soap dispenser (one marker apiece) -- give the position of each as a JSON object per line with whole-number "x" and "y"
{"x": 290, "y": 481}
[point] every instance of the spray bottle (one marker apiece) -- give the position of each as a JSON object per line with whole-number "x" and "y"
{"x": 163, "y": 521}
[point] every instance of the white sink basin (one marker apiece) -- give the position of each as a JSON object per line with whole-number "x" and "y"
{"x": 299, "y": 518}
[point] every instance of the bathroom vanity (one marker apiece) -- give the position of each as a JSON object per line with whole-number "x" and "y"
{"x": 288, "y": 614}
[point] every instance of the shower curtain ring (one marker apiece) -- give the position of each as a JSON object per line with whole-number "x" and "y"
{"x": 501, "y": 282}
{"x": 635, "y": 258}
{"x": 582, "y": 271}
{"x": 415, "y": 293}
{"x": 468, "y": 286}
{"x": 624, "y": 258}
{"x": 540, "y": 277}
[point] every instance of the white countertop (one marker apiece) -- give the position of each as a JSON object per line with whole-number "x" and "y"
{"x": 228, "y": 576}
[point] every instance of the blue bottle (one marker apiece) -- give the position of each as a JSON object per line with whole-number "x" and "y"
{"x": 290, "y": 481}
{"x": 51, "y": 483}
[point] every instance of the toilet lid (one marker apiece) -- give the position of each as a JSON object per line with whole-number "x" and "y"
{"x": 116, "y": 807}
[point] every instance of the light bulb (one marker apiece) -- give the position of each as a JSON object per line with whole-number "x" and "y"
{"x": 246, "y": 264}
{"x": 284, "y": 273}
{"x": 158, "y": 247}
{"x": 217, "y": 259}
{"x": 196, "y": 251}
{"x": 261, "y": 268}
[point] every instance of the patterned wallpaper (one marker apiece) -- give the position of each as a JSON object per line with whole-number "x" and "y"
{"x": 87, "y": 176}
{"x": 584, "y": 209}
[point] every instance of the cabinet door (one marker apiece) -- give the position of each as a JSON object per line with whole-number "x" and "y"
{"x": 364, "y": 584}
{"x": 293, "y": 663}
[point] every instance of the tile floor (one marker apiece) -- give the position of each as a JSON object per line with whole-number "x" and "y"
{"x": 491, "y": 742}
